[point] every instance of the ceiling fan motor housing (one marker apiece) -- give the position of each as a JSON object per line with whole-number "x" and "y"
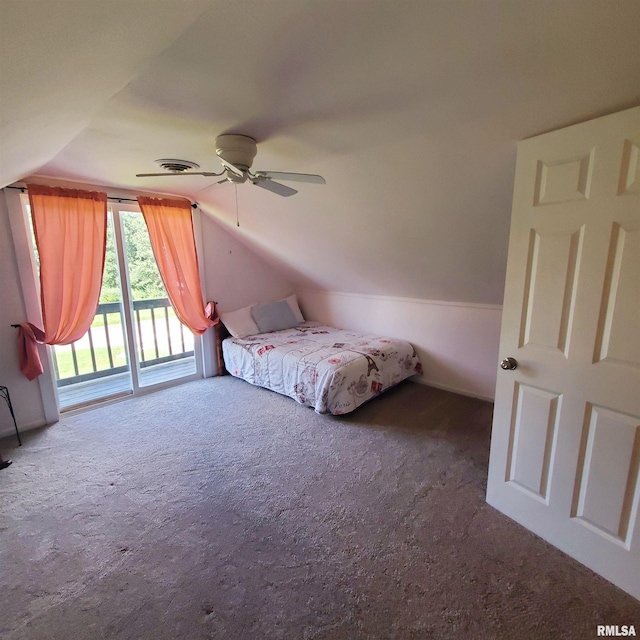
{"x": 236, "y": 149}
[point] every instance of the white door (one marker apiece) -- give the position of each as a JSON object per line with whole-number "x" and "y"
{"x": 565, "y": 446}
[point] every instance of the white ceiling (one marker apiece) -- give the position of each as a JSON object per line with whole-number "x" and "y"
{"x": 410, "y": 110}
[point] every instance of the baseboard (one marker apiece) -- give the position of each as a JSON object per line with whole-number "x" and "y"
{"x": 23, "y": 428}
{"x": 461, "y": 392}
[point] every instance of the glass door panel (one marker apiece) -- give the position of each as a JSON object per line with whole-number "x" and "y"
{"x": 97, "y": 367}
{"x": 164, "y": 348}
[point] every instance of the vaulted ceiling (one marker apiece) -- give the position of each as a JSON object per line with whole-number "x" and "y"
{"x": 411, "y": 110}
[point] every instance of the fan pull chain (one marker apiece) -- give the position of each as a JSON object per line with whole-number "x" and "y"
{"x": 237, "y": 217}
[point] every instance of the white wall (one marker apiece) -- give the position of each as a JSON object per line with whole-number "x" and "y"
{"x": 25, "y": 395}
{"x": 457, "y": 342}
{"x": 235, "y": 276}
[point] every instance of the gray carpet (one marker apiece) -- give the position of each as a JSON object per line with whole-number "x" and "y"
{"x": 220, "y": 510}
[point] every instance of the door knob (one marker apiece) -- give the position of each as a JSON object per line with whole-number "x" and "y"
{"x": 509, "y": 364}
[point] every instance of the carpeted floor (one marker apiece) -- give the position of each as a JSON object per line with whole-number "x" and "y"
{"x": 220, "y": 510}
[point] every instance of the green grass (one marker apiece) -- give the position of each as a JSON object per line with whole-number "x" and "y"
{"x": 83, "y": 355}
{"x": 65, "y": 360}
{"x": 115, "y": 318}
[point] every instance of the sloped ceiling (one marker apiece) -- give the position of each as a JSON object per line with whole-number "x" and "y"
{"x": 411, "y": 110}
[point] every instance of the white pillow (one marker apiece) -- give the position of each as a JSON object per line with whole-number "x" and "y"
{"x": 240, "y": 323}
{"x": 292, "y": 301}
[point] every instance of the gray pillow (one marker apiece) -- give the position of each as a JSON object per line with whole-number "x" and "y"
{"x": 273, "y": 316}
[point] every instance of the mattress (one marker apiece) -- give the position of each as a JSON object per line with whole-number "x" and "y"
{"x": 332, "y": 370}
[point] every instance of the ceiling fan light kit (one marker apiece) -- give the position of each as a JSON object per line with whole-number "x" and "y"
{"x": 236, "y": 153}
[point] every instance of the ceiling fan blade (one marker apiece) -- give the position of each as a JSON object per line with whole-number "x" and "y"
{"x": 153, "y": 175}
{"x": 294, "y": 177}
{"x": 214, "y": 185}
{"x": 178, "y": 173}
{"x": 275, "y": 187}
{"x": 232, "y": 168}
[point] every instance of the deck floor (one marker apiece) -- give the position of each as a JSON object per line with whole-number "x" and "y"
{"x": 83, "y": 393}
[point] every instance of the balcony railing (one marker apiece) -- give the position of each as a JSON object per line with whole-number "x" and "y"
{"x": 161, "y": 338}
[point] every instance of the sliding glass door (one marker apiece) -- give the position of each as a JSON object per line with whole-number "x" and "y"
{"x": 135, "y": 343}
{"x": 164, "y": 349}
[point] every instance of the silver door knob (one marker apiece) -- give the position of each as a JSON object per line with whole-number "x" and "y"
{"x": 509, "y": 364}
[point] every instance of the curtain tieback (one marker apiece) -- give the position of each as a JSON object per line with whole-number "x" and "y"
{"x": 29, "y": 359}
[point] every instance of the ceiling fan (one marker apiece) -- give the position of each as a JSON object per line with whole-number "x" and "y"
{"x": 236, "y": 153}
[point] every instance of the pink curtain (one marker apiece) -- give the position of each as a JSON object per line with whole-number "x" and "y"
{"x": 171, "y": 232}
{"x": 70, "y": 227}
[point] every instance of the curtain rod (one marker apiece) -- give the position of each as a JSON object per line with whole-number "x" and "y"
{"x": 115, "y": 198}
{"x": 23, "y": 189}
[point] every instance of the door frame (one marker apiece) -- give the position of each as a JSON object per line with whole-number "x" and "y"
{"x": 30, "y": 287}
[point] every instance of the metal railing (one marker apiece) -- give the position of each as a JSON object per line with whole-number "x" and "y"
{"x": 167, "y": 337}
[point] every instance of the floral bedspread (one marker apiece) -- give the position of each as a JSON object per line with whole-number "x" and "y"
{"x": 332, "y": 370}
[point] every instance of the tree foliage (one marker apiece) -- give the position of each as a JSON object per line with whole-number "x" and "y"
{"x": 143, "y": 272}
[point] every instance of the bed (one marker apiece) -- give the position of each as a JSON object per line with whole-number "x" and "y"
{"x": 332, "y": 370}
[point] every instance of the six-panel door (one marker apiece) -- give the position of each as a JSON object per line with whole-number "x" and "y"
{"x": 565, "y": 450}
